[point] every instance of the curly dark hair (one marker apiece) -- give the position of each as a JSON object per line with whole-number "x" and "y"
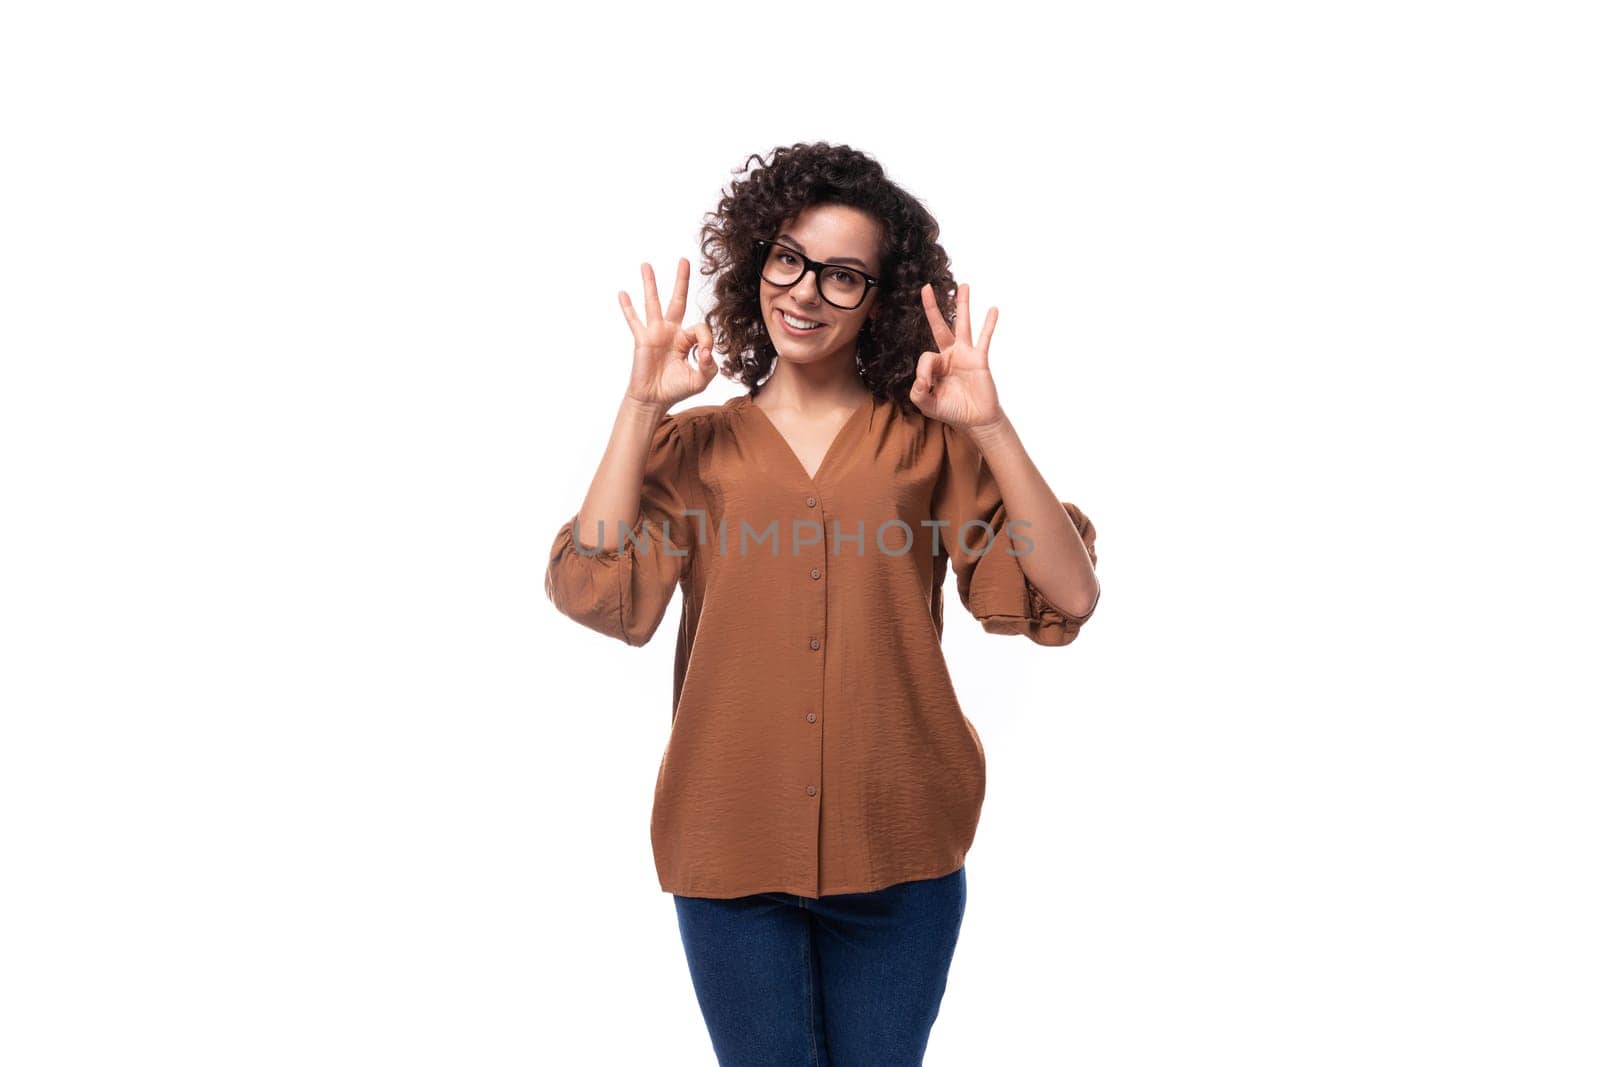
{"x": 792, "y": 179}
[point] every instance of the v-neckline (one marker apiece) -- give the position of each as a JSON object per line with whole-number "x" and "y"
{"x": 829, "y": 457}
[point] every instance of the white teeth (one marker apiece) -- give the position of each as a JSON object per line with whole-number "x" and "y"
{"x": 799, "y": 324}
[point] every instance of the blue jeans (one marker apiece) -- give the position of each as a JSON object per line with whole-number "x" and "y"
{"x": 849, "y": 980}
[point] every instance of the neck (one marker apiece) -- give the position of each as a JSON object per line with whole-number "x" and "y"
{"x": 814, "y": 386}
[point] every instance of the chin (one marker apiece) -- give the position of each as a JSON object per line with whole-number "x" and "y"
{"x": 805, "y": 355}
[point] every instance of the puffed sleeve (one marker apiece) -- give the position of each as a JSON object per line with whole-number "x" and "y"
{"x": 624, "y": 592}
{"x": 992, "y": 583}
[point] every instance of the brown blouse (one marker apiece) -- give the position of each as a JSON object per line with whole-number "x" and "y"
{"x": 817, "y": 746}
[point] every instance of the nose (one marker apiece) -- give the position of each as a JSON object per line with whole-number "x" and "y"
{"x": 804, "y": 291}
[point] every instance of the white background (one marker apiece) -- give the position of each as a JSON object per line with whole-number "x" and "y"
{"x": 311, "y": 341}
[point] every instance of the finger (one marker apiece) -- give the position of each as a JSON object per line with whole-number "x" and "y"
{"x": 708, "y": 357}
{"x": 922, "y": 385}
{"x": 963, "y": 322}
{"x": 928, "y": 372}
{"x": 988, "y": 332}
{"x": 652, "y": 299}
{"x": 682, "y": 343}
{"x": 680, "y": 292}
{"x": 628, "y": 313}
{"x": 942, "y": 337}
{"x": 710, "y": 361}
{"x": 919, "y": 395}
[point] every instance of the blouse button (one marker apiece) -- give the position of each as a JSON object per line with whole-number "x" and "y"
{"x": 815, "y": 643}
{"x": 811, "y": 501}
{"x": 811, "y": 716}
{"x": 811, "y": 790}
{"x": 815, "y": 573}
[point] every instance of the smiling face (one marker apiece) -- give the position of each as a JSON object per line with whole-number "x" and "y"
{"x": 828, "y": 233}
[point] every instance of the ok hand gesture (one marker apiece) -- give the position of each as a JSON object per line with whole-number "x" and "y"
{"x": 953, "y": 384}
{"x": 661, "y": 372}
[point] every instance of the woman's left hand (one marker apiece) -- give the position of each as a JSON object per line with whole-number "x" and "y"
{"x": 953, "y": 384}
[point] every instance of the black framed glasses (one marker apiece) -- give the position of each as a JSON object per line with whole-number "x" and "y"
{"x": 843, "y": 287}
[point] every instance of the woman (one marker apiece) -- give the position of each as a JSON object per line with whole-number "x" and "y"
{"x": 821, "y": 786}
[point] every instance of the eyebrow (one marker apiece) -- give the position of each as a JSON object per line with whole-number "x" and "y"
{"x": 841, "y": 260}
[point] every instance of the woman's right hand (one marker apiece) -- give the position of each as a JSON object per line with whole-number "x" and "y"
{"x": 662, "y": 375}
